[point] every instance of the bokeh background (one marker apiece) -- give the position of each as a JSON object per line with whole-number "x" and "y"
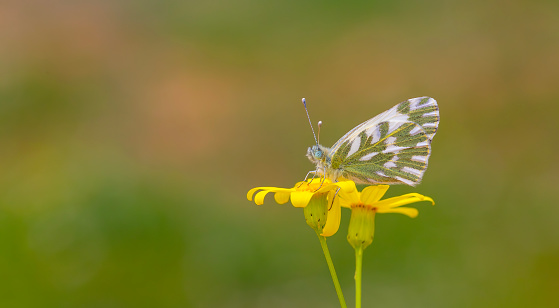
{"x": 130, "y": 132}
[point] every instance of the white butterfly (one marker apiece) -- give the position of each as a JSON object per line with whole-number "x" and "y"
{"x": 391, "y": 148}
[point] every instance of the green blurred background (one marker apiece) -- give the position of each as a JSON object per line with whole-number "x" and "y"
{"x": 130, "y": 132}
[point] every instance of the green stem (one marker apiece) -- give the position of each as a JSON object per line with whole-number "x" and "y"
{"x": 332, "y": 270}
{"x": 358, "y": 270}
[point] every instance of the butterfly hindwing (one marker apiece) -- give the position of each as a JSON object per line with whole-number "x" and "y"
{"x": 391, "y": 148}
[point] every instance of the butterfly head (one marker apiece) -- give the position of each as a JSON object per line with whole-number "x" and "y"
{"x": 317, "y": 153}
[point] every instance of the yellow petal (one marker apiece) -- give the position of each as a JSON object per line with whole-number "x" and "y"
{"x": 319, "y": 181}
{"x": 402, "y": 200}
{"x": 259, "y": 197}
{"x": 301, "y": 198}
{"x": 332, "y": 221}
{"x": 252, "y": 191}
{"x": 282, "y": 197}
{"x": 346, "y": 186}
{"x": 300, "y": 184}
{"x": 269, "y": 189}
{"x": 343, "y": 202}
{"x": 327, "y": 187}
{"x": 347, "y": 199}
{"x": 372, "y": 194}
{"x": 409, "y": 211}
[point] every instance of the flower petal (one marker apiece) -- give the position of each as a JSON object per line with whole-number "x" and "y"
{"x": 402, "y": 200}
{"x": 252, "y": 191}
{"x": 269, "y": 189}
{"x": 346, "y": 186}
{"x": 347, "y": 199}
{"x": 319, "y": 180}
{"x": 326, "y": 188}
{"x": 301, "y": 198}
{"x": 300, "y": 184}
{"x": 372, "y": 194}
{"x": 333, "y": 220}
{"x": 259, "y": 197}
{"x": 409, "y": 211}
{"x": 282, "y": 197}
{"x": 343, "y": 202}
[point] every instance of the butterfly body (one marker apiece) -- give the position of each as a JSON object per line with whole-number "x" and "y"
{"x": 391, "y": 148}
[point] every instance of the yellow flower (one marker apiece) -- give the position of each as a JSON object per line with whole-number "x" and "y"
{"x": 320, "y": 190}
{"x": 364, "y": 205}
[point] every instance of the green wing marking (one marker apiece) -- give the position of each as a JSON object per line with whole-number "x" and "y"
{"x": 391, "y": 152}
{"x": 423, "y": 111}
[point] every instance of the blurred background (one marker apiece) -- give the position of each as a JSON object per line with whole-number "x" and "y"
{"x": 130, "y": 132}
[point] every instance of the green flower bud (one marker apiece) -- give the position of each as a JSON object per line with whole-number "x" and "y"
{"x": 361, "y": 226}
{"x": 317, "y": 211}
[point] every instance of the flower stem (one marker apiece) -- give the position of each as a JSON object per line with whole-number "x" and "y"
{"x": 332, "y": 270}
{"x": 358, "y": 270}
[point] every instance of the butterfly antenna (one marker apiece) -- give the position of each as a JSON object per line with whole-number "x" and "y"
{"x": 305, "y": 105}
{"x": 319, "y": 126}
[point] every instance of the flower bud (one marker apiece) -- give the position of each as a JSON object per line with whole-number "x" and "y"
{"x": 361, "y": 226}
{"x": 317, "y": 211}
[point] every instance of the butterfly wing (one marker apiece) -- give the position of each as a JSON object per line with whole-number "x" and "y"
{"x": 391, "y": 148}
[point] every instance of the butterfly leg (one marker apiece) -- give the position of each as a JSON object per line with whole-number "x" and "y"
{"x": 334, "y": 198}
{"x": 307, "y": 176}
{"x": 321, "y": 182}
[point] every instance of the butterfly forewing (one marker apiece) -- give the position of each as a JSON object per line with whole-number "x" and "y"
{"x": 423, "y": 111}
{"x": 391, "y": 148}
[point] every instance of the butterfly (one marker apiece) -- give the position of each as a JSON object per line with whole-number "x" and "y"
{"x": 391, "y": 148}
